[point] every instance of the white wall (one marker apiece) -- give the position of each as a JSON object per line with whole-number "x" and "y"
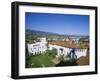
{"x": 80, "y": 52}
{"x": 5, "y": 41}
{"x": 37, "y": 47}
{"x": 65, "y": 50}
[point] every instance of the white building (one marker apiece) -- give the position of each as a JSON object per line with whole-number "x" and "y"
{"x": 64, "y": 51}
{"x": 60, "y": 50}
{"x": 80, "y": 52}
{"x": 38, "y": 47}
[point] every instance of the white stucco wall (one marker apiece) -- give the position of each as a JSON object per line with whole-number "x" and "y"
{"x": 78, "y": 52}
{"x": 65, "y": 50}
{"x": 38, "y": 47}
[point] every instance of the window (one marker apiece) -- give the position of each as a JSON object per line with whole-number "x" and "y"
{"x": 34, "y": 48}
{"x": 31, "y": 49}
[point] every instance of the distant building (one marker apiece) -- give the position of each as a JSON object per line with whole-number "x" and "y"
{"x": 67, "y": 39}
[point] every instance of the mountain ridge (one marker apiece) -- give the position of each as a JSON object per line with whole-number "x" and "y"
{"x": 43, "y": 33}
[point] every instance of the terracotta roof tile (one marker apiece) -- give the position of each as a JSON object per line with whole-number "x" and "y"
{"x": 69, "y": 45}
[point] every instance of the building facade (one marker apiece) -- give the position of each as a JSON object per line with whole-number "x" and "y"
{"x": 42, "y": 46}
{"x": 63, "y": 51}
{"x": 38, "y": 47}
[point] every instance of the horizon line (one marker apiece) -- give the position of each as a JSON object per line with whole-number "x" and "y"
{"x": 54, "y": 32}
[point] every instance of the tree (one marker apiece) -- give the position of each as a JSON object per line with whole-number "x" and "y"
{"x": 52, "y": 52}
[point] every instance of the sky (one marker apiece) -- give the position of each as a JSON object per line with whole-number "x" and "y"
{"x": 68, "y": 24}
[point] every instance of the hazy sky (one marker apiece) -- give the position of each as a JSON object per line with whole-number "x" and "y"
{"x": 58, "y": 23}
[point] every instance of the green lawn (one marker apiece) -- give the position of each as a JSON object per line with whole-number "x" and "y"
{"x": 47, "y": 60}
{"x": 41, "y": 60}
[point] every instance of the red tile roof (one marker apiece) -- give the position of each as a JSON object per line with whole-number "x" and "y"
{"x": 69, "y": 44}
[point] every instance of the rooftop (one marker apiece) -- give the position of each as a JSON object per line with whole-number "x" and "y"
{"x": 69, "y": 45}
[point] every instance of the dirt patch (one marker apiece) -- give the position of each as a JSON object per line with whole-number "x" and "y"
{"x": 56, "y": 61}
{"x": 83, "y": 60}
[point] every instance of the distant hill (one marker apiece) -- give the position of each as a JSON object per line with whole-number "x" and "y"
{"x": 41, "y": 33}
{"x": 52, "y": 35}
